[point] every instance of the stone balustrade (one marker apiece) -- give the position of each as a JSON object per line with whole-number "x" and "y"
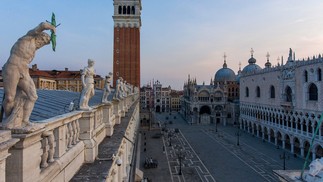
{"x": 65, "y": 142}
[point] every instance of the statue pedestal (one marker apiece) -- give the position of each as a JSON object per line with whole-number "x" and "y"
{"x": 6, "y": 142}
{"x": 86, "y": 134}
{"x": 25, "y": 159}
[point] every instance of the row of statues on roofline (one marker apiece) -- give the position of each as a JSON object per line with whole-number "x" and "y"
{"x": 122, "y": 89}
{"x": 20, "y": 92}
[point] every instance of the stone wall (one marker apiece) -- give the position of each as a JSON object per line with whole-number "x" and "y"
{"x": 58, "y": 150}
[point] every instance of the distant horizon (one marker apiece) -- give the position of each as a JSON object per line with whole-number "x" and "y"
{"x": 178, "y": 37}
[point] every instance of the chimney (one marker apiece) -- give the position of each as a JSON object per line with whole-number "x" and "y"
{"x": 66, "y": 69}
{"x": 34, "y": 67}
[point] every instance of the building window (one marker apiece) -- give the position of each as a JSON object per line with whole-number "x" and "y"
{"x": 312, "y": 91}
{"x": 305, "y": 76}
{"x": 120, "y": 10}
{"x": 133, "y": 10}
{"x": 128, "y": 10}
{"x": 288, "y": 92}
{"x": 124, "y": 10}
{"x": 272, "y": 92}
{"x": 258, "y": 91}
{"x": 247, "y": 92}
{"x": 319, "y": 74}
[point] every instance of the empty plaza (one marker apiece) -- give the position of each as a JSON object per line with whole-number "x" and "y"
{"x": 209, "y": 153}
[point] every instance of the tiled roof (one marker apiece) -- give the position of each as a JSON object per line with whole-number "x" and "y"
{"x": 40, "y": 73}
{"x": 51, "y": 103}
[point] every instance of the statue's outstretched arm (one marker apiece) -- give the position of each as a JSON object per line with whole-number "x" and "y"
{"x": 41, "y": 27}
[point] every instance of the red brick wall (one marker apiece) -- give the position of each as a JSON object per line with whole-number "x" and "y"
{"x": 128, "y": 56}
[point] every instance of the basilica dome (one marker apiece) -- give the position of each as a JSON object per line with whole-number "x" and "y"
{"x": 224, "y": 74}
{"x": 252, "y": 66}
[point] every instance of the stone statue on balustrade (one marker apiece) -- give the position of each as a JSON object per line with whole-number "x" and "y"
{"x": 315, "y": 172}
{"x": 118, "y": 91}
{"x": 87, "y": 77}
{"x": 107, "y": 88}
{"x": 124, "y": 89}
{"x": 20, "y": 92}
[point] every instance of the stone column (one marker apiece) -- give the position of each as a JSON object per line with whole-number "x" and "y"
{"x": 25, "y": 159}
{"x": 283, "y": 144}
{"x": 313, "y": 155}
{"x": 86, "y": 135}
{"x": 302, "y": 152}
{"x": 5, "y": 143}
{"x": 301, "y": 128}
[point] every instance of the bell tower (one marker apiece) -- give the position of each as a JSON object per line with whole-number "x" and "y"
{"x": 126, "y": 47}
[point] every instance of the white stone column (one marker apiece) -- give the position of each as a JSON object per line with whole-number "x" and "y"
{"x": 302, "y": 128}
{"x": 25, "y": 159}
{"x": 283, "y": 144}
{"x": 5, "y": 143}
{"x": 86, "y": 135}
{"x": 302, "y": 152}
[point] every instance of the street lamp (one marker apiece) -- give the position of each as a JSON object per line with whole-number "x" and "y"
{"x": 216, "y": 126}
{"x": 170, "y": 139}
{"x": 180, "y": 156}
{"x": 238, "y": 134}
{"x": 284, "y": 157}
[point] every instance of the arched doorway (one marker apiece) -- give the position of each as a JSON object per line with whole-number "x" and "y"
{"x": 287, "y": 142}
{"x": 279, "y": 139}
{"x": 205, "y": 113}
{"x": 158, "y": 109}
{"x": 297, "y": 146}
{"x": 319, "y": 151}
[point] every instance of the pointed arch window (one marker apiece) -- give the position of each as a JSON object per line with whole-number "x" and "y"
{"x": 288, "y": 93}
{"x": 258, "y": 91}
{"x": 319, "y": 74}
{"x": 247, "y": 92}
{"x": 128, "y": 10}
{"x": 124, "y": 10}
{"x": 272, "y": 92}
{"x": 133, "y": 10}
{"x": 312, "y": 92}
{"x": 119, "y": 10}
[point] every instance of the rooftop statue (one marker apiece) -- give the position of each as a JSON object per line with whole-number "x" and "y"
{"x": 107, "y": 88}
{"x": 88, "y": 85}
{"x": 19, "y": 89}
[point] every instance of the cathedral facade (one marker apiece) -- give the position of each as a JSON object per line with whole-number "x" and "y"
{"x": 216, "y": 103}
{"x": 283, "y": 104}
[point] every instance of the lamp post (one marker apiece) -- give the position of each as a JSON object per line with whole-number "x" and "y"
{"x": 284, "y": 157}
{"x": 238, "y": 134}
{"x": 170, "y": 139}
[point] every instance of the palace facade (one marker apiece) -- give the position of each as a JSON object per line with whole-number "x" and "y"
{"x": 283, "y": 104}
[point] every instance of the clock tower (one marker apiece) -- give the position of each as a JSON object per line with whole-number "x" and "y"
{"x": 126, "y": 47}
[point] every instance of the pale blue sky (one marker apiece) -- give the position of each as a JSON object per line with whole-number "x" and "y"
{"x": 178, "y": 37}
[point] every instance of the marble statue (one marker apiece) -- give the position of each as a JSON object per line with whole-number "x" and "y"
{"x": 118, "y": 92}
{"x": 87, "y": 77}
{"x": 19, "y": 89}
{"x": 316, "y": 166}
{"x": 107, "y": 88}
{"x": 124, "y": 88}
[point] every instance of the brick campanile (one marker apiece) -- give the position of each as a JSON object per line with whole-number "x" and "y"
{"x": 126, "y": 47}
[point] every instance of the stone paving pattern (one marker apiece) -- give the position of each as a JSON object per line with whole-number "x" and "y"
{"x": 214, "y": 156}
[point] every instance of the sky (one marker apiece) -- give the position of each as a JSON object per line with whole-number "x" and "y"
{"x": 178, "y": 37}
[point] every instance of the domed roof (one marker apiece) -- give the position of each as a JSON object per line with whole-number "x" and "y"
{"x": 224, "y": 74}
{"x": 252, "y": 66}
